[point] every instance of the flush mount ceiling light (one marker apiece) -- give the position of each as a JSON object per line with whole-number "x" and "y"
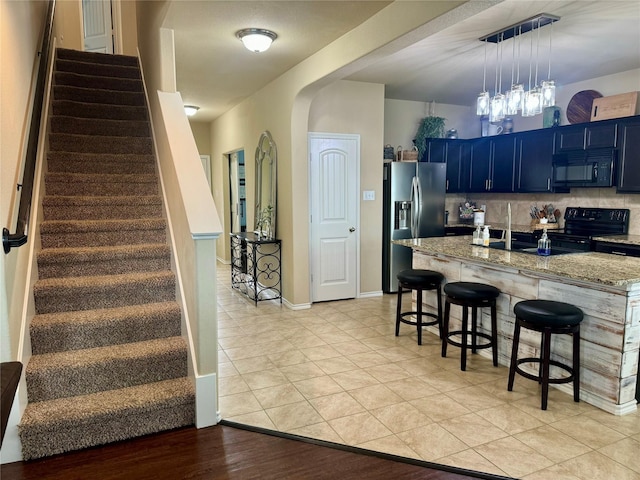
{"x": 256, "y": 39}
{"x": 190, "y": 110}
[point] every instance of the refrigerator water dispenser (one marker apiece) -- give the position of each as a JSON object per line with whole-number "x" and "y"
{"x": 403, "y": 215}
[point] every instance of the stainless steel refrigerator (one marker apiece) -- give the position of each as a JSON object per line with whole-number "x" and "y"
{"x": 413, "y": 198}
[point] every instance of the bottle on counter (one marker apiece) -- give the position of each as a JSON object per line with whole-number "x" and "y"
{"x": 544, "y": 244}
{"x": 477, "y": 236}
{"x": 485, "y": 236}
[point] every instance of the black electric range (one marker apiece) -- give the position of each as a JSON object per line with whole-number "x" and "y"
{"x": 582, "y": 224}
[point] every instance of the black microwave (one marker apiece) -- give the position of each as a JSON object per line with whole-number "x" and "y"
{"x": 584, "y": 168}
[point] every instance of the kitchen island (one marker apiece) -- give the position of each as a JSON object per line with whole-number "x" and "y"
{"x": 606, "y": 287}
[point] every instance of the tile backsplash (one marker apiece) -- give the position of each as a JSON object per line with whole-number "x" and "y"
{"x": 521, "y": 202}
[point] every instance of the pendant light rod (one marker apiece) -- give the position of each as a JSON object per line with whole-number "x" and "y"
{"x": 524, "y": 26}
{"x": 513, "y": 61}
{"x": 550, "y": 36}
{"x": 537, "y": 52}
{"x": 519, "y": 38}
{"x": 484, "y": 75}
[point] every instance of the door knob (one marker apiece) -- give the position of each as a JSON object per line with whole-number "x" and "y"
{"x": 352, "y": 229}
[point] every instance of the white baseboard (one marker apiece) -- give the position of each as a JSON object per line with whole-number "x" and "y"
{"x": 11, "y": 445}
{"x": 299, "y": 306}
{"x": 207, "y": 401}
{"x": 377, "y": 293}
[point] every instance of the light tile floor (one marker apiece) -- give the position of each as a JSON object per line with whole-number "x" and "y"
{"x": 336, "y": 372}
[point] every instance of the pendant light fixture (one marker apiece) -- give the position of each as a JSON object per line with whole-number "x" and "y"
{"x": 256, "y": 39}
{"x": 531, "y": 102}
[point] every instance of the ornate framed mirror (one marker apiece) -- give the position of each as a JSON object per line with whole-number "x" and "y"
{"x": 266, "y": 207}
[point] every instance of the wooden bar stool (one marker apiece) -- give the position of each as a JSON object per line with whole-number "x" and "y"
{"x": 419, "y": 280}
{"x": 470, "y": 295}
{"x": 547, "y": 317}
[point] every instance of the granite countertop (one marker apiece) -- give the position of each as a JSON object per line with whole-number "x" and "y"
{"x": 593, "y": 267}
{"x": 626, "y": 239}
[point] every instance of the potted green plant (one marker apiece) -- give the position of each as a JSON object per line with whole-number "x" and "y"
{"x": 430, "y": 127}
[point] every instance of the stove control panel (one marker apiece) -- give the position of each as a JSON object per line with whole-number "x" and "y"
{"x": 598, "y": 215}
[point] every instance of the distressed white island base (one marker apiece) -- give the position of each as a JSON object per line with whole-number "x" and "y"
{"x": 606, "y": 287}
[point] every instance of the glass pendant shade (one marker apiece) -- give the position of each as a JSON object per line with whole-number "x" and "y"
{"x": 537, "y": 101}
{"x": 532, "y": 103}
{"x": 515, "y": 97}
{"x": 482, "y": 104}
{"x": 498, "y": 108}
{"x": 548, "y": 93}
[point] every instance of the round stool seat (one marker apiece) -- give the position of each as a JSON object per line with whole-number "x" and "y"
{"x": 471, "y": 291}
{"x": 549, "y": 318}
{"x": 419, "y": 280}
{"x": 547, "y": 313}
{"x": 470, "y": 295}
{"x": 416, "y": 277}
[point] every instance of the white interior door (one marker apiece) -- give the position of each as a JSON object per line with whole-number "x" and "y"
{"x": 334, "y": 185}
{"x": 97, "y": 22}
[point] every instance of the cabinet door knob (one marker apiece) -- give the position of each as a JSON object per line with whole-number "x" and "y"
{"x": 352, "y": 229}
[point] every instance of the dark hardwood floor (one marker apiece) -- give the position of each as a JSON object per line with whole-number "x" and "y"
{"x": 223, "y": 452}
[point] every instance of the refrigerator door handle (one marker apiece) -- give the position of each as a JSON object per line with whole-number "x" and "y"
{"x": 416, "y": 197}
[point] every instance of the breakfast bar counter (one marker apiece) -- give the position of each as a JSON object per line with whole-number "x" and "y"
{"x": 606, "y": 287}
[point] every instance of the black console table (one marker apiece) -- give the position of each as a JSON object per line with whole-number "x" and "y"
{"x": 255, "y": 266}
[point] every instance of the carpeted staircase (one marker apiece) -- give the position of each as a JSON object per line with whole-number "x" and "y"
{"x": 108, "y": 360}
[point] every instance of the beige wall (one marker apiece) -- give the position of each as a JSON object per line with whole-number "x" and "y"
{"x": 21, "y": 25}
{"x": 282, "y": 107}
{"x": 358, "y": 108}
{"x": 68, "y": 24}
{"x": 202, "y": 135}
{"x": 129, "y": 27}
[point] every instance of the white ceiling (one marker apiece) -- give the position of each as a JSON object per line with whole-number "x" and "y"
{"x": 214, "y": 71}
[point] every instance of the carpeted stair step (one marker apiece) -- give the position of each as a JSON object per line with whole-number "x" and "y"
{"x": 92, "y": 95}
{"x": 66, "y": 424}
{"x": 81, "y": 372}
{"x": 80, "y": 184}
{"x": 99, "y": 126}
{"x": 98, "y": 233}
{"x": 102, "y": 207}
{"x": 103, "y": 291}
{"x": 102, "y": 83}
{"x": 88, "y": 67}
{"x": 99, "y": 144}
{"x": 81, "y": 56}
{"x": 75, "y": 162}
{"x": 108, "y": 360}
{"x": 98, "y": 110}
{"x": 92, "y": 261}
{"x": 57, "y": 332}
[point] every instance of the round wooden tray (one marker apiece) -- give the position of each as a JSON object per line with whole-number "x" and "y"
{"x": 579, "y": 108}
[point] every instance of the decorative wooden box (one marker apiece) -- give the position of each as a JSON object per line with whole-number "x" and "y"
{"x": 614, "y": 106}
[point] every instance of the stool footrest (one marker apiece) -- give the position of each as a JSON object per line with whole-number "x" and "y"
{"x": 537, "y": 378}
{"x": 472, "y": 345}
{"x": 424, "y": 314}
